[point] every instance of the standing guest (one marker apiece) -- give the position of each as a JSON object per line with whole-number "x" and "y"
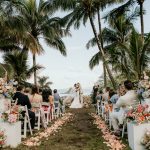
{"x": 23, "y": 100}
{"x": 99, "y": 96}
{"x": 56, "y": 98}
{"x": 95, "y": 90}
{"x": 51, "y": 102}
{"x": 123, "y": 103}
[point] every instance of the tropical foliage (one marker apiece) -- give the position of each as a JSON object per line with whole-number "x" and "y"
{"x": 43, "y": 82}
{"x": 32, "y": 21}
{"x": 25, "y": 24}
{"x": 18, "y": 61}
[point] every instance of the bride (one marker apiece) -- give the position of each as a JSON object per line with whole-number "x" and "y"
{"x": 78, "y": 99}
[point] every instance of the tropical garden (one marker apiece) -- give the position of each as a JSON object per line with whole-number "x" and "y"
{"x": 24, "y": 23}
{"x": 124, "y": 51}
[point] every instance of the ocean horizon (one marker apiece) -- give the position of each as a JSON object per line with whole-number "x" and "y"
{"x": 62, "y": 92}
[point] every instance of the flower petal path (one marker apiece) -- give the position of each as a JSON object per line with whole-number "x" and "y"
{"x": 77, "y": 133}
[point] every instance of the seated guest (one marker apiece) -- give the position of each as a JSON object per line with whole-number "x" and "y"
{"x": 105, "y": 98}
{"x": 123, "y": 103}
{"x": 23, "y": 100}
{"x": 99, "y": 97}
{"x": 36, "y": 98}
{"x": 106, "y": 94}
{"x": 113, "y": 99}
{"x": 27, "y": 92}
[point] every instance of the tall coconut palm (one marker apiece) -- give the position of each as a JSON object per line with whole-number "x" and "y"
{"x": 114, "y": 37}
{"x": 43, "y": 82}
{"x": 81, "y": 11}
{"x": 37, "y": 15}
{"x": 139, "y": 53}
{"x": 141, "y": 2}
{"x": 101, "y": 39}
{"x": 18, "y": 61}
{"x": 126, "y": 7}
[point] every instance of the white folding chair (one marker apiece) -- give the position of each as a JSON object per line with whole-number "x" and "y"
{"x": 124, "y": 127}
{"x": 26, "y": 122}
{"x": 46, "y": 112}
{"x": 14, "y": 102}
{"x": 38, "y": 116}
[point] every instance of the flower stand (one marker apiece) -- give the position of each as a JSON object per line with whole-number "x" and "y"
{"x": 135, "y": 135}
{"x": 12, "y": 132}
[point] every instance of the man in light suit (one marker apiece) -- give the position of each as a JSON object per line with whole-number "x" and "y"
{"x": 123, "y": 103}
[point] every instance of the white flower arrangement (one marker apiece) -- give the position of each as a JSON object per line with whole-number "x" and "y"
{"x": 146, "y": 140}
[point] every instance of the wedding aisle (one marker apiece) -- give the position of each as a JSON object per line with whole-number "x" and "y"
{"x": 78, "y": 134}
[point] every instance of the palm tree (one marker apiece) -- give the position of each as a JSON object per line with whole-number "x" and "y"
{"x": 18, "y": 61}
{"x": 139, "y": 53}
{"x": 130, "y": 58}
{"x": 81, "y": 11}
{"x": 37, "y": 15}
{"x": 114, "y": 37}
{"x": 141, "y": 2}
{"x": 43, "y": 83}
{"x": 125, "y": 8}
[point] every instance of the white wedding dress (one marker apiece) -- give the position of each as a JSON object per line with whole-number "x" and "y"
{"x": 76, "y": 101}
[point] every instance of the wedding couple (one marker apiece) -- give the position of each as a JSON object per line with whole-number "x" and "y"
{"x": 77, "y": 96}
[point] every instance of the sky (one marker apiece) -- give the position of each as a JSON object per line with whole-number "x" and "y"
{"x": 65, "y": 71}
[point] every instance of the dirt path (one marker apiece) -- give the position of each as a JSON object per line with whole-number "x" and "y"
{"x": 80, "y": 134}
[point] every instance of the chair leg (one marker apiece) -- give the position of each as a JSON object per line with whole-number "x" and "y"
{"x": 39, "y": 121}
{"x": 123, "y": 130}
{"x": 29, "y": 124}
{"x": 25, "y": 127}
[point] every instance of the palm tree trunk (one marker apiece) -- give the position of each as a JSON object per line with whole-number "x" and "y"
{"x": 101, "y": 39}
{"x": 142, "y": 20}
{"x": 34, "y": 64}
{"x": 102, "y": 52}
{"x": 105, "y": 75}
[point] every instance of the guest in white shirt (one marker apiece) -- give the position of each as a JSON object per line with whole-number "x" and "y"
{"x": 123, "y": 103}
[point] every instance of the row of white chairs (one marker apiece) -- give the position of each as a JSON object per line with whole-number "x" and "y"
{"x": 42, "y": 117}
{"x": 106, "y": 116}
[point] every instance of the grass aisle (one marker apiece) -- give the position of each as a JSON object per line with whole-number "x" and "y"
{"x": 79, "y": 134}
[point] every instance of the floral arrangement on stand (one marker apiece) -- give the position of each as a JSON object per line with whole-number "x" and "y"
{"x": 36, "y": 140}
{"x": 139, "y": 114}
{"x": 146, "y": 140}
{"x": 12, "y": 116}
{"x": 2, "y": 138}
{"x": 112, "y": 141}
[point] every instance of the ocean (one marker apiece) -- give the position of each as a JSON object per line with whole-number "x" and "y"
{"x": 62, "y": 92}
